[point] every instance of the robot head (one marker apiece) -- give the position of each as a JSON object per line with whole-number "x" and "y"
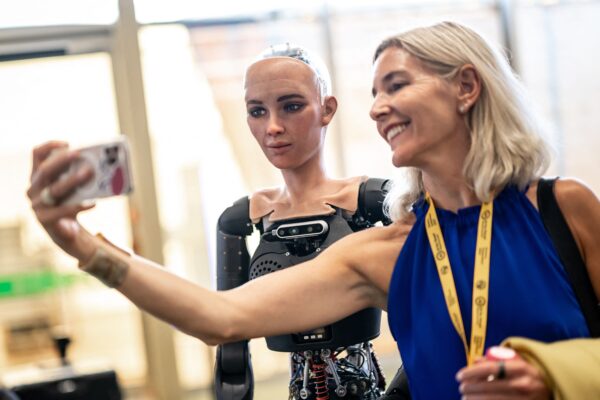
{"x": 314, "y": 62}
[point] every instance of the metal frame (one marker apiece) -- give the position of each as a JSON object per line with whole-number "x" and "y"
{"x": 121, "y": 42}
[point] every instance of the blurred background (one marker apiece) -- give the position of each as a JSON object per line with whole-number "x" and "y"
{"x": 169, "y": 76}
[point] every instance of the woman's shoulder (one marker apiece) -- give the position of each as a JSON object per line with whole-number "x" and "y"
{"x": 581, "y": 209}
{"x": 572, "y": 195}
{"x": 571, "y": 192}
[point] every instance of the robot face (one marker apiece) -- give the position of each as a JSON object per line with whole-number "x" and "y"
{"x": 285, "y": 113}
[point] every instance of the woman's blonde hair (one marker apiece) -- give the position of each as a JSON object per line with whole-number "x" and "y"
{"x": 507, "y": 140}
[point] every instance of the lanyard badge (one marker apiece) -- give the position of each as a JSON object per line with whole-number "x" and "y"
{"x": 481, "y": 277}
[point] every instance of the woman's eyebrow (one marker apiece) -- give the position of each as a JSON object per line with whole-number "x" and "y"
{"x": 393, "y": 74}
{"x": 389, "y": 76}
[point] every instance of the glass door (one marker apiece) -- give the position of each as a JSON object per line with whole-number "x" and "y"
{"x": 67, "y": 98}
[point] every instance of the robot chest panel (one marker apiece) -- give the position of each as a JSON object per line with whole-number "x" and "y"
{"x": 283, "y": 246}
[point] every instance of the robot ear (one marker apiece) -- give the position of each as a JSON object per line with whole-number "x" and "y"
{"x": 328, "y": 109}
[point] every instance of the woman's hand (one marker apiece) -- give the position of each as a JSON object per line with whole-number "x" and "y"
{"x": 46, "y": 191}
{"x": 496, "y": 380}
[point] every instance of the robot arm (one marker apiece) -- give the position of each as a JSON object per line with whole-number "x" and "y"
{"x": 233, "y": 259}
{"x": 233, "y": 368}
{"x": 370, "y": 200}
{"x": 370, "y": 207}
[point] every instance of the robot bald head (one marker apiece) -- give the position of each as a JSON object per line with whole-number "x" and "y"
{"x": 314, "y": 62}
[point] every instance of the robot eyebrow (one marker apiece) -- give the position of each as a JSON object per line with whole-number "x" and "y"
{"x": 290, "y": 96}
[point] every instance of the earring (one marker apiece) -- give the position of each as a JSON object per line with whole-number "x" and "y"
{"x": 462, "y": 108}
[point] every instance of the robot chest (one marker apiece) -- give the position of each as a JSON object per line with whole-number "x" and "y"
{"x": 294, "y": 242}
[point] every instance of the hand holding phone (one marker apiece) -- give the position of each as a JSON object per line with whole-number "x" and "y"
{"x": 112, "y": 173}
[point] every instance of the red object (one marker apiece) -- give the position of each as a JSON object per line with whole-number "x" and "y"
{"x": 498, "y": 353}
{"x": 118, "y": 181}
{"x": 320, "y": 378}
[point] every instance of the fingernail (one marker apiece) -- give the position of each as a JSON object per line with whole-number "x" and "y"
{"x": 459, "y": 376}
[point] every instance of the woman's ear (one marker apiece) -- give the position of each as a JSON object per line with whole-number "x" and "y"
{"x": 469, "y": 87}
{"x": 329, "y": 108}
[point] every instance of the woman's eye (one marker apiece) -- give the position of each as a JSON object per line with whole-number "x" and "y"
{"x": 256, "y": 112}
{"x": 394, "y": 87}
{"x": 292, "y": 107}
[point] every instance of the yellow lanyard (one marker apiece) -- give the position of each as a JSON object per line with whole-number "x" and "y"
{"x": 481, "y": 277}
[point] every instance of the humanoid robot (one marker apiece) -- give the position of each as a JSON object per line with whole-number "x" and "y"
{"x": 330, "y": 362}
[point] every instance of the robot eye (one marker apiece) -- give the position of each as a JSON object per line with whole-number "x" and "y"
{"x": 281, "y": 232}
{"x": 301, "y": 229}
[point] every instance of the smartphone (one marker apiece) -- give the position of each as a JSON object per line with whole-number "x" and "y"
{"x": 112, "y": 172}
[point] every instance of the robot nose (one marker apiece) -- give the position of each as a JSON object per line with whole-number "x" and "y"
{"x": 274, "y": 126}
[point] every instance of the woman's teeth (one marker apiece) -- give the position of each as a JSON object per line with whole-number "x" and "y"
{"x": 396, "y": 131}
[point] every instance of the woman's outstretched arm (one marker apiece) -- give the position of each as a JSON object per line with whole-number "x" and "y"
{"x": 351, "y": 275}
{"x": 309, "y": 295}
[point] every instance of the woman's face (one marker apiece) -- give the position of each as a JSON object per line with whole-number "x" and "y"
{"x": 285, "y": 114}
{"x": 416, "y": 111}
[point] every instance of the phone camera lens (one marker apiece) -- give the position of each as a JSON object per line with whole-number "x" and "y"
{"x": 294, "y": 231}
{"x": 309, "y": 229}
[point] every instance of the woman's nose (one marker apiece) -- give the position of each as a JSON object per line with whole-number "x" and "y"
{"x": 379, "y": 109}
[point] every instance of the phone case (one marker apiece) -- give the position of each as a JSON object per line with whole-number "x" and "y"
{"x": 112, "y": 177}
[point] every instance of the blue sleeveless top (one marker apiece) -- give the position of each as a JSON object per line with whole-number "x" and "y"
{"x": 529, "y": 294}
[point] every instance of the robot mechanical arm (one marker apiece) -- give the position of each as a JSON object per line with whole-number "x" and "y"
{"x": 371, "y": 194}
{"x": 233, "y": 368}
{"x": 370, "y": 208}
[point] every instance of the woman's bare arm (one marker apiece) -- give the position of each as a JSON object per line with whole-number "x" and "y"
{"x": 581, "y": 209}
{"x": 351, "y": 275}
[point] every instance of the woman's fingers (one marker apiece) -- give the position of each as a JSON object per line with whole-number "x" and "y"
{"x": 487, "y": 377}
{"x": 48, "y": 184}
{"x": 512, "y": 379}
{"x": 43, "y": 151}
{"x": 61, "y": 188}
{"x": 488, "y": 396}
{"x": 49, "y": 170}
{"x": 50, "y": 215}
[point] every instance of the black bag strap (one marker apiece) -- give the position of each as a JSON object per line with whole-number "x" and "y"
{"x": 568, "y": 252}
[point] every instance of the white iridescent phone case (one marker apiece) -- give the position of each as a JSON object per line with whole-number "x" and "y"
{"x": 112, "y": 172}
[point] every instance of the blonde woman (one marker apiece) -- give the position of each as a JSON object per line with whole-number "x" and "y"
{"x": 466, "y": 265}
